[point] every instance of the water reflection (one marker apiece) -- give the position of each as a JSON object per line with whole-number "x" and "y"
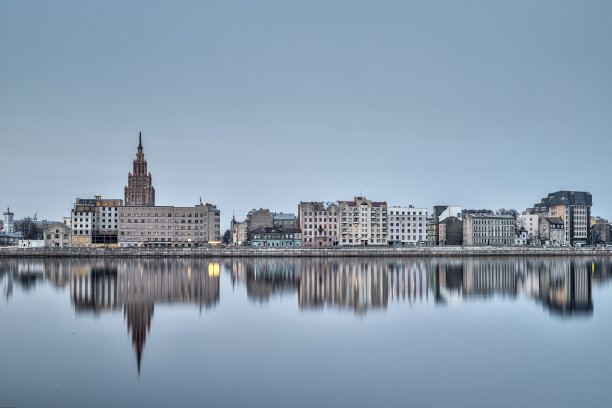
{"x": 563, "y": 286}
{"x": 134, "y": 286}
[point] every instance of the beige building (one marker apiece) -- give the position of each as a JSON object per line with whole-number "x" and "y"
{"x": 319, "y": 223}
{"x": 168, "y": 226}
{"x": 363, "y": 222}
{"x": 488, "y": 229}
{"x": 58, "y": 235}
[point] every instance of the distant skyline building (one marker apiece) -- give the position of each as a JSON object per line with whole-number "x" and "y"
{"x": 139, "y": 191}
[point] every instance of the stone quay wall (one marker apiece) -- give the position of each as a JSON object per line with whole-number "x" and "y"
{"x": 237, "y": 252}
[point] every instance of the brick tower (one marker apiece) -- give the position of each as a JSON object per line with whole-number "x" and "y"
{"x": 139, "y": 190}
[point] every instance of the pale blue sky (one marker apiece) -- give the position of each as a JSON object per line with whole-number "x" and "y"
{"x": 249, "y": 104}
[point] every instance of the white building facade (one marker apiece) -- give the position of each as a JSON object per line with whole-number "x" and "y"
{"x": 530, "y": 222}
{"x": 407, "y": 225}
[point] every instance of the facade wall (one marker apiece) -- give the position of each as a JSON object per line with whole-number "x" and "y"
{"x": 363, "y": 222}
{"x": 261, "y": 218}
{"x": 450, "y": 231}
{"x": 318, "y": 223}
{"x": 531, "y": 224}
{"x": 94, "y": 222}
{"x": 167, "y": 226}
{"x": 488, "y": 230}
{"x": 407, "y": 225}
{"x": 58, "y": 235}
{"x": 276, "y": 237}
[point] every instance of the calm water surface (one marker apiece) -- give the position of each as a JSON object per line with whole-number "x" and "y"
{"x": 306, "y": 332}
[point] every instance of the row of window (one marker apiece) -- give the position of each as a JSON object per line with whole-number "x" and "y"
{"x": 397, "y": 212}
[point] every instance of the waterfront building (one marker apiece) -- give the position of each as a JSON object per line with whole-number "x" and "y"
{"x": 407, "y": 225}
{"x": 94, "y": 221}
{"x": 521, "y": 236}
{"x": 58, "y": 235}
{"x": 276, "y": 237}
{"x": 139, "y": 191}
{"x": 439, "y": 214}
{"x": 574, "y": 209}
{"x": 169, "y": 226}
{"x": 363, "y": 222}
{"x": 239, "y": 232}
{"x": 319, "y": 223}
{"x": 552, "y": 231}
{"x": 531, "y": 223}
{"x": 450, "y": 231}
{"x": 487, "y": 229}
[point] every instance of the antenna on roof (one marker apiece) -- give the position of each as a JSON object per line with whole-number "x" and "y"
{"x": 200, "y": 200}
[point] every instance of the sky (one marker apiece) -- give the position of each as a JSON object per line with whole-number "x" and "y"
{"x": 249, "y": 104}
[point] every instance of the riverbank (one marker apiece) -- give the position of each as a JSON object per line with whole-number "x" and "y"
{"x": 369, "y": 252}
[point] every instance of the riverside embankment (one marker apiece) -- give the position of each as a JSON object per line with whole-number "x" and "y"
{"x": 223, "y": 252}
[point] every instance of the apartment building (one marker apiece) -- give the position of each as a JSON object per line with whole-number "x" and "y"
{"x": 487, "y": 229}
{"x": 319, "y": 224}
{"x": 363, "y": 222}
{"x": 574, "y": 209}
{"x": 407, "y": 226}
{"x": 94, "y": 221}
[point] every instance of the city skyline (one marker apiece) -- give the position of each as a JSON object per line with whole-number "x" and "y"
{"x": 485, "y": 104}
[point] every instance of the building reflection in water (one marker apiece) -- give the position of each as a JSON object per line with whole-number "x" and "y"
{"x": 137, "y": 285}
{"x": 357, "y": 284}
{"x": 561, "y": 285}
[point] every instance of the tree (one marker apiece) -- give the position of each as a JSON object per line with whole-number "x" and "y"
{"x": 503, "y": 211}
{"x": 28, "y": 228}
{"x": 227, "y": 237}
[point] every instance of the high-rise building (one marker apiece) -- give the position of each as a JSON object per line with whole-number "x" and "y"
{"x": 139, "y": 190}
{"x": 574, "y": 209}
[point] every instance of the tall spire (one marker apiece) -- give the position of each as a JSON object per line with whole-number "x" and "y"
{"x": 140, "y": 140}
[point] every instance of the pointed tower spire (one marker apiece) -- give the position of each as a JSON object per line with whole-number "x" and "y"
{"x": 140, "y": 140}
